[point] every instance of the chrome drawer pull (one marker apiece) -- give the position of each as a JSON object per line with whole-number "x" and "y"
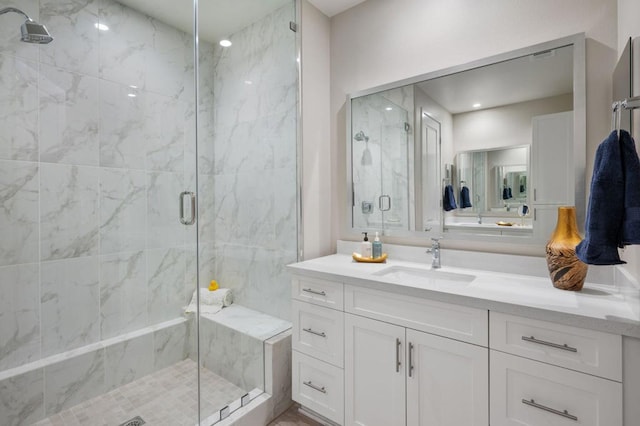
{"x": 314, "y": 387}
{"x": 564, "y": 413}
{"x": 312, "y": 291}
{"x": 564, "y": 347}
{"x": 317, "y": 333}
{"x": 398, "y": 363}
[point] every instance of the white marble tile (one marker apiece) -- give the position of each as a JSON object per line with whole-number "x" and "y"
{"x": 253, "y": 323}
{"x": 244, "y": 208}
{"x": 170, "y": 345}
{"x": 10, "y": 43}
{"x": 206, "y": 207}
{"x": 19, "y": 108}
{"x": 127, "y": 361}
{"x": 278, "y": 371}
{"x": 123, "y": 210}
{"x": 19, "y": 315}
{"x": 73, "y": 381}
{"x": 124, "y": 47}
{"x": 70, "y": 301}
{"x": 19, "y": 213}
{"x": 22, "y": 399}
{"x": 166, "y": 271}
{"x": 164, "y": 124}
{"x": 72, "y": 24}
{"x": 285, "y": 211}
{"x": 68, "y": 117}
{"x": 244, "y": 148}
{"x": 169, "y": 63}
{"x": 123, "y": 293}
{"x": 163, "y": 223}
{"x": 69, "y": 214}
{"x": 122, "y": 126}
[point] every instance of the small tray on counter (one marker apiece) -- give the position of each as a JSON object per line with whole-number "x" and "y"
{"x": 358, "y": 258}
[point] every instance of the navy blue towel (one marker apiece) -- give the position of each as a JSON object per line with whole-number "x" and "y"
{"x": 631, "y": 168}
{"x": 606, "y": 207}
{"x": 448, "y": 199}
{"x": 465, "y": 199}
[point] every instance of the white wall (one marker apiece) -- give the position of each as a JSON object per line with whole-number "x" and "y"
{"x": 381, "y": 41}
{"x": 316, "y": 182}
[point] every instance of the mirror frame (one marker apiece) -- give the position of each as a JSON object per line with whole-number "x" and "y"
{"x": 578, "y": 42}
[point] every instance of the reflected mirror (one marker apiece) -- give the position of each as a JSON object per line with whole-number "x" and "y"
{"x": 461, "y": 151}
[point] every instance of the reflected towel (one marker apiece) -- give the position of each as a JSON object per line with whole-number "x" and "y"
{"x": 606, "y": 207}
{"x": 448, "y": 199}
{"x": 465, "y": 199}
{"x": 211, "y": 302}
{"x": 631, "y": 167}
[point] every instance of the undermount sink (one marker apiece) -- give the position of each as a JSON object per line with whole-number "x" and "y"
{"x": 422, "y": 275}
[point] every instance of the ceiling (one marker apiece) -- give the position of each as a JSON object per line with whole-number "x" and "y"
{"x": 221, "y": 18}
{"x": 518, "y": 80}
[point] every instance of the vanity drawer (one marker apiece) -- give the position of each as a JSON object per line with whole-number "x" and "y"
{"x": 580, "y": 349}
{"x": 444, "y": 319}
{"x": 318, "y": 386}
{"x": 318, "y": 292}
{"x": 526, "y": 392}
{"x": 318, "y": 332}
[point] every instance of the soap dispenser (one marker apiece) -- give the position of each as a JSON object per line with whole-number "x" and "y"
{"x": 376, "y": 246}
{"x": 365, "y": 247}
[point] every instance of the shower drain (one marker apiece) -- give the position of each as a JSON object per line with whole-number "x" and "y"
{"x": 136, "y": 421}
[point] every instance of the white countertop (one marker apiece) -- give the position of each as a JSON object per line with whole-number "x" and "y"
{"x": 603, "y": 307}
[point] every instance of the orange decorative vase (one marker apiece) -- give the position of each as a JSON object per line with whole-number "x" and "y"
{"x": 567, "y": 272}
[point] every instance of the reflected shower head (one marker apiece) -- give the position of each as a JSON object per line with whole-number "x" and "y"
{"x": 360, "y": 136}
{"x": 32, "y": 32}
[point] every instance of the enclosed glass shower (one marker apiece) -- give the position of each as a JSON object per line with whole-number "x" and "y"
{"x": 138, "y": 164}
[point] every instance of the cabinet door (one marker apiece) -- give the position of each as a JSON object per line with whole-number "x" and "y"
{"x": 447, "y": 382}
{"x": 552, "y": 159}
{"x": 374, "y": 372}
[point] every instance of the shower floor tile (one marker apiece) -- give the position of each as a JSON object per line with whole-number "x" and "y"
{"x": 167, "y": 397}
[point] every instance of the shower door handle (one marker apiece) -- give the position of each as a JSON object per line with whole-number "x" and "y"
{"x": 385, "y": 207}
{"x": 192, "y": 217}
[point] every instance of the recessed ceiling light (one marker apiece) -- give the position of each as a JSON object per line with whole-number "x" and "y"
{"x": 477, "y": 105}
{"x": 225, "y": 43}
{"x": 388, "y": 108}
{"x": 101, "y": 27}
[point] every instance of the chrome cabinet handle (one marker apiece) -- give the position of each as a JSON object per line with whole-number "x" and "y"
{"x": 564, "y": 413}
{"x": 191, "y": 220}
{"x": 564, "y": 347}
{"x": 398, "y": 363}
{"x": 314, "y": 387}
{"x": 312, "y": 291}
{"x": 410, "y": 359}
{"x": 317, "y": 333}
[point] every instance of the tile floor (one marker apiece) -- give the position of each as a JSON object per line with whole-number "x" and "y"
{"x": 165, "y": 398}
{"x": 291, "y": 417}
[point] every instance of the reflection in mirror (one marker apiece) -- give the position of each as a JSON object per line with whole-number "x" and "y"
{"x": 497, "y": 136}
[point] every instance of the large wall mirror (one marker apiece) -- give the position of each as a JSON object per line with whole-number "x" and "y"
{"x": 486, "y": 150}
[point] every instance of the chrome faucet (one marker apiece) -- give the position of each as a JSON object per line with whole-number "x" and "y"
{"x": 435, "y": 251}
{"x": 479, "y": 218}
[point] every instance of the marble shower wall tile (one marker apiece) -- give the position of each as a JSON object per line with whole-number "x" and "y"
{"x": 122, "y": 119}
{"x": 163, "y": 225}
{"x": 170, "y": 345}
{"x": 166, "y": 272}
{"x": 123, "y": 210}
{"x": 123, "y": 49}
{"x": 19, "y": 205}
{"x": 19, "y": 108}
{"x": 164, "y": 133}
{"x": 68, "y": 117}
{"x": 69, "y": 214}
{"x": 19, "y": 315}
{"x": 70, "y": 304}
{"x": 127, "y": 361}
{"x": 123, "y": 293}
{"x": 72, "y": 23}
{"x": 22, "y": 399}
{"x": 277, "y": 359}
{"x": 73, "y": 381}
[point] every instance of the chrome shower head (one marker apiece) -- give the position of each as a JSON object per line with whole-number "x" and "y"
{"x": 360, "y": 136}
{"x": 32, "y": 32}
